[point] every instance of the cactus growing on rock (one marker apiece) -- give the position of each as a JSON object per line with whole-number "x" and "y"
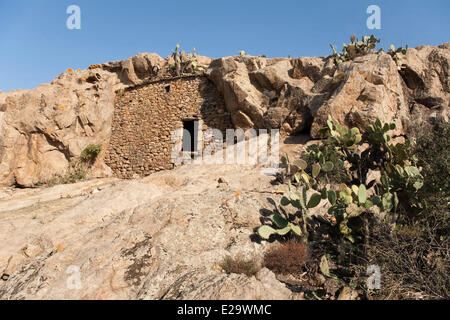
{"x": 398, "y": 55}
{"x": 184, "y": 62}
{"x": 355, "y": 49}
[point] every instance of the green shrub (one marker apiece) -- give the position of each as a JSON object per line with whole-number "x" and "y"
{"x": 359, "y": 200}
{"x": 90, "y": 154}
{"x": 415, "y": 255}
{"x": 77, "y": 170}
{"x": 352, "y": 208}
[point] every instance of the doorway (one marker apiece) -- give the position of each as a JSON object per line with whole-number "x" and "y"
{"x": 190, "y": 138}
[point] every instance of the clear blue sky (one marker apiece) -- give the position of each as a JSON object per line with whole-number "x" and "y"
{"x": 36, "y": 46}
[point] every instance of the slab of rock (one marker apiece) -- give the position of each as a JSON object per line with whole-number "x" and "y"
{"x": 160, "y": 237}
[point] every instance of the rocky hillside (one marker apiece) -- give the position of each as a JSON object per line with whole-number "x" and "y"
{"x": 161, "y": 237}
{"x": 42, "y": 130}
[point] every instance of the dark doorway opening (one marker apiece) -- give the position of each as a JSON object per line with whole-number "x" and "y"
{"x": 190, "y": 136}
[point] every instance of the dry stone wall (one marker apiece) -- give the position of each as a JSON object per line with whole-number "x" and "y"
{"x": 146, "y": 115}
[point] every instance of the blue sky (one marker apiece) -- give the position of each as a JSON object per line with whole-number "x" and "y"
{"x": 36, "y": 46}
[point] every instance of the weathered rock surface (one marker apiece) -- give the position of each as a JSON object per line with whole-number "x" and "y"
{"x": 43, "y": 129}
{"x": 370, "y": 88}
{"x": 297, "y": 95}
{"x": 373, "y": 87}
{"x": 135, "y": 70}
{"x": 161, "y": 237}
{"x": 426, "y": 73}
{"x": 262, "y": 92}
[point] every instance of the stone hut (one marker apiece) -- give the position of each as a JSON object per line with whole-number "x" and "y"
{"x": 146, "y": 117}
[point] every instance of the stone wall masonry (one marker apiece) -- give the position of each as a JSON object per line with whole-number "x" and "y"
{"x": 146, "y": 115}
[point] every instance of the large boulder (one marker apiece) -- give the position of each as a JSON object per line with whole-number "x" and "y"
{"x": 297, "y": 95}
{"x": 370, "y": 88}
{"x": 136, "y": 69}
{"x": 245, "y": 103}
{"x": 425, "y": 71}
{"x": 43, "y": 129}
{"x": 410, "y": 90}
{"x": 315, "y": 68}
{"x": 262, "y": 93}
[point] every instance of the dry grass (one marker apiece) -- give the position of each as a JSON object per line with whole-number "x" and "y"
{"x": 415, "y": 263}
{"x": 240, "y": 266}
{"x": 75, "y": 173}
{"x": 290, "y": 257}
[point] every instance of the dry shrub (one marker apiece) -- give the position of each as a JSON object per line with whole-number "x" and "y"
{"x": 432, "y": 150}
{"x": 240, "y": 266}
{"x": 414, "y": 261}
{"x": 290, "y": 257}
{"x": 415, "y": 257}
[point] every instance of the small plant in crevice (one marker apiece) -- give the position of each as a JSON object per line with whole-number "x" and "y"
{"x": 249, "y": 267}
{"x": 76, "y": 172}
{"x": 90, "y": 153}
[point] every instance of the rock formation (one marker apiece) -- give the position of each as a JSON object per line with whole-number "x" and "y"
{"x": 42, "y": 130}
{"x": 161, "y": 237}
